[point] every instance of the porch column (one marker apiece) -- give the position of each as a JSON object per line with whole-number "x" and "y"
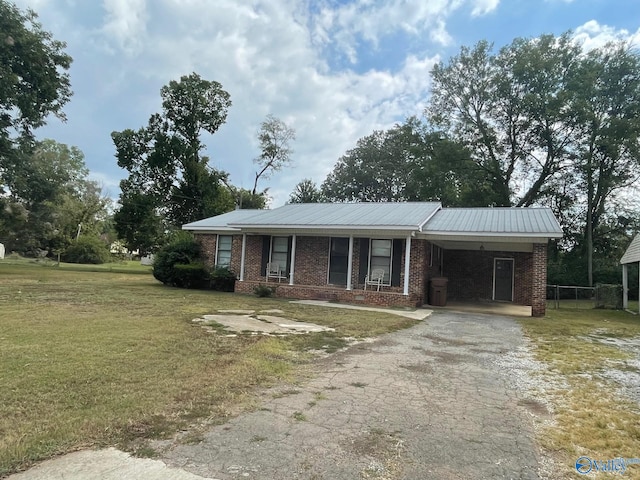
{"x": 407, "y": 256}
{"x": 350, "y": 263}
{"x": 242, "y": 256}
{"x": 625, "y": 286}
{"x": 539, "y": 280}
{"x": 293, "y": 259}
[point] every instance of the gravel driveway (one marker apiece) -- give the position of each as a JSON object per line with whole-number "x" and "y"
{"x": 435, "y": 401}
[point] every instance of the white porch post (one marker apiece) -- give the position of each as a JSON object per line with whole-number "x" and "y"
{"x": 350, "y": 263}
{"x": 242, "y": 256}
{"x": 293, "y": 259}
{"x": 407, "y": 255}
{"x": 625, "y": 286}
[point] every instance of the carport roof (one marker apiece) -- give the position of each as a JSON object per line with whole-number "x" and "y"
{"x": 536, "y": 222}
{"x": 632, "y": 254}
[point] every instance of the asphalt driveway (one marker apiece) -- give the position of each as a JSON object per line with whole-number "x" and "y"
{"x": 445, "y": 399}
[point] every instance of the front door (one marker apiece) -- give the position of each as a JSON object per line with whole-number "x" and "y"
{"x": 503, "y": 279}
{"x": 338, "y": 261}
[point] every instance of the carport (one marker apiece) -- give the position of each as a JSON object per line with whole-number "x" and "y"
{"x": 632, "y": 255}
{"x": 493, "y": 256}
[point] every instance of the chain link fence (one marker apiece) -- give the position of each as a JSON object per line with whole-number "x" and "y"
{"x": 577, "y": 297}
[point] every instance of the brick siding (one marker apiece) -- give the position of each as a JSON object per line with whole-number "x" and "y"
{"x": 470, "y": 273}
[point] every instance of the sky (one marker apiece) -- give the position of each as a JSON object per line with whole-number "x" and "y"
{"x": 333, "y": 70}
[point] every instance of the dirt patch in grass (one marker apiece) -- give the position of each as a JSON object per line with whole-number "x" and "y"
{"x": 106, "y": 358}
{"x": 591, "y": 357}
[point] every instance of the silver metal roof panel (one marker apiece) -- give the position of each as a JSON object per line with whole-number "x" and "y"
{"x": 495, "y": 221}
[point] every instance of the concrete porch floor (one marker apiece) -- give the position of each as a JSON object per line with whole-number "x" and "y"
{"x": 495, "y": 308}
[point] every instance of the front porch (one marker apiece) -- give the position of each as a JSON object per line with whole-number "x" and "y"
{"x": 335, "y": 294}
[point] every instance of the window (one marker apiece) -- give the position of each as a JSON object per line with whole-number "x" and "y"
{"x": 380, "y": 258}
{"x": 223, "y": 255}
{"x": 280, "y": 251}
{"x": 338, "y": 261}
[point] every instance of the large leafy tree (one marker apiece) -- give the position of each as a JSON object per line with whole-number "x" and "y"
{"x": 165, "y": 161}
{"x": 49, "y": 196}
{"x": 408, "y": 162}
{"x": 33, "y": 81}
{"x": 550, "y": 123}
{"x": 510, "y": 109}
{"x": 306, "y": 191}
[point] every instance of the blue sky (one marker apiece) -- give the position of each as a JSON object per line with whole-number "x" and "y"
{"x": 333, "y": 70}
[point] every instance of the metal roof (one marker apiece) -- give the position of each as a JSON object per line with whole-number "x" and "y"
{"x": 632, "y": 254}
{"x": 389, "y": 215}
{"x": 538, "y": 222}
{"x": 220, "y": 223}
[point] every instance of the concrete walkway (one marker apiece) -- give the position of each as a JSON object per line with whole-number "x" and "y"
{"x": 442, "y": 400}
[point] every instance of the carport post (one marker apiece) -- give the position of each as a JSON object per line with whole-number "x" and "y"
{"x": 407, "y": 254}
{"x": 242, "y": 256}
{"x": 350, "y": 263}
{"x": 625, "y": 286}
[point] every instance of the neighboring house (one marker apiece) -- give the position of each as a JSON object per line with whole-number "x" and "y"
{"x": 632, "y": 255}
{"x": 329, "y": 251}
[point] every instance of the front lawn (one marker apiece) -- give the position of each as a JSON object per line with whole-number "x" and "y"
{"x": 104, "y": 358}
{"x": 593, "y": 358}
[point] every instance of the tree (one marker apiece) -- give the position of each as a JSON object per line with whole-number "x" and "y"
{"x": 49, "y": 196}
{"x": 510, "y": 110}
{"x": 306, "y": 191}
{"x": 607, "y": 140}
{"x": 33, "y": 80}
{"x": 408, "y": 162}
{"x": 275, "y": 151}
{"x": 165, "y": 161}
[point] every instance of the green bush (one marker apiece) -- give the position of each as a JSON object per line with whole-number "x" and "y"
{"x": 181, "y": 250}
{"x": 190, "y": 275}
{"x": 87, "y": 250}
{"x": 264, "y": 290}
{"x": 223, "y": 280}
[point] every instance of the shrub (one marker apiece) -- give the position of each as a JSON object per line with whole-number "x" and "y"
{"x": 223, "y": 280}
{"x": 181, "y": 250}
{"x": 190, "y": 275}
{"x": 87, "y": 250}
{"x": 264, "y": 290}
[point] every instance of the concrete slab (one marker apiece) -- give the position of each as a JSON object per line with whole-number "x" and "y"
{"x": 491, "y": 308}
{"x": 417, "y": 314}
{"x": 109, "y": 464}
{"x": 264, "y": 324}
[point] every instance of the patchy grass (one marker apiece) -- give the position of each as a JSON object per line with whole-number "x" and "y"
{"x": 592, "y": 417}
{"x": 106, "y": 358}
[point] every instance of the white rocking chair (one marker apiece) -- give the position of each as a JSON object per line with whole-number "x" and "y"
{"x": 275, "y": 271}
{"x": 376, "y": 278}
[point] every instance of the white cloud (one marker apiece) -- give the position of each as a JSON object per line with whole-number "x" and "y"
{"x": 125, "y": 23}
{"x": 482, "y": 7}
{"x": 594, "y": 35}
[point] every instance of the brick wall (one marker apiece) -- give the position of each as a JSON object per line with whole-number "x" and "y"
{"x": 208, "y": 244}
{"x": 470, "y": 274}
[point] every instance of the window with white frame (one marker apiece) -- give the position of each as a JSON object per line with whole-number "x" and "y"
{"x": 380, "y": 258}
{"x": 223, "y": 254}
{"x": 280, "y": 251}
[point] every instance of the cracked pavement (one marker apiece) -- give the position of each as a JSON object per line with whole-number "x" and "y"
{"x": 429, "y": 402}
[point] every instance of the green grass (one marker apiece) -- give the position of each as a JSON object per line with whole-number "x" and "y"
{"x": 105, "y": 358}
{"x": 591, "y": 418}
